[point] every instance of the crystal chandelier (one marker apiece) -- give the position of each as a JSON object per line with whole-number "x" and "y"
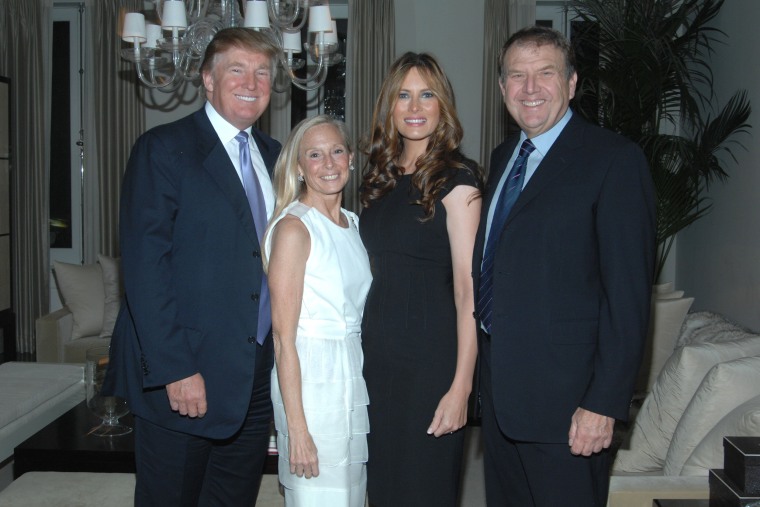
{"x": 167, "y": 55}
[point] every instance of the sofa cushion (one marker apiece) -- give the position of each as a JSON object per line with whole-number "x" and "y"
{"x": 82, "y": 291}
{"x": 112, "y": 288}
{"x": 675, "y": 386}
{"x": 743, "y": 421}
{"x": 726, "y": 386}
{"x": 707, "y": 327}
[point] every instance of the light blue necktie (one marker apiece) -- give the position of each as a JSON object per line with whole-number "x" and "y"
{"x": 507, "y": 197}
{"x": 259, "y": 211}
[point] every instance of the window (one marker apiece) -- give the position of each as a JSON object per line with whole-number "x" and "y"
{"x": 66, "y": 132}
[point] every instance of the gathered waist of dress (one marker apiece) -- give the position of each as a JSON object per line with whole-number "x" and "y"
{"x": 327, "y": 329}
{"x": 398, "y": 263}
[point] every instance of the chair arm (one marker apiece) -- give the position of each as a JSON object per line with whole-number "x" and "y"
{"x": 52, "y": 331}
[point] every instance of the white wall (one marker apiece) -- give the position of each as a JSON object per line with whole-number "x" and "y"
{"x": 451, "y": 30}
{"x": 718, "y": 259}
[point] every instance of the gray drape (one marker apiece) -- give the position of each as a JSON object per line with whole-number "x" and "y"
{"x": 25, "y": 30}
{"x": 501, "y": 20}
{"x": 118, "y": 118}
{"x": 371, "y": 50}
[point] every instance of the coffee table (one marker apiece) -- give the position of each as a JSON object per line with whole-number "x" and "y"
{"x": 64, "y": 446}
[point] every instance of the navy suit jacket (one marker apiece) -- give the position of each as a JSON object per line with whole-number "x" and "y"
{"x": 192, "y": 270}
{"x": 572, "y": 283}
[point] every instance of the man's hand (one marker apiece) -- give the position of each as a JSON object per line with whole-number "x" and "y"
{"x": 188, "y": 396}
{"x": 589, "y": 432}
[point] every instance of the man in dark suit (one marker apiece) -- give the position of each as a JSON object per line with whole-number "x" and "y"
{"x": 562, "y": 283}
{"x": 190, "y": 350}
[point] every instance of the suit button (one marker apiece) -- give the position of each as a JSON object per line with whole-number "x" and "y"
{"x": 251, "y": 339}
{"x": 256, "y": 254}
{"x": 255, "y": 296}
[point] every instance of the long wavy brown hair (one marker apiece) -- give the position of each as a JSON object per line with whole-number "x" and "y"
{"x": 385, "y": 145}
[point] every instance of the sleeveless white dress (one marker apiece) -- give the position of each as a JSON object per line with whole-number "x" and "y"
{"x": 329, "y": 349}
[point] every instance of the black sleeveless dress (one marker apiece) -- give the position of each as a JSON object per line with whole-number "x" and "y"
{"x": 410, "y": 345}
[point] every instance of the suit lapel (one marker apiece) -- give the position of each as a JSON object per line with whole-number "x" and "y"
{"x": 218, "y": 165}
{"x": 268, "y": 153}
{"x": 553, "y": 164}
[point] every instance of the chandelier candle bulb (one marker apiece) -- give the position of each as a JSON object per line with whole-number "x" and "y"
{"x": 331, "y": 36}
{"x": 291, "y": 41}
{"x": 174, "y": 15}
{"x": 134, "y": 28}
{"x": 256, "y": 14}
{"x": 153, "y": 33}
{"x": 319, "y": 18}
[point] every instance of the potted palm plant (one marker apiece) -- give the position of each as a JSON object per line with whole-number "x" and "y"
{"x": 644, "y": 71}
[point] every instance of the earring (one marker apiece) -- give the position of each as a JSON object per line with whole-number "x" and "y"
{"x": 300, "y": 178}
{"x": 351, "y": 167}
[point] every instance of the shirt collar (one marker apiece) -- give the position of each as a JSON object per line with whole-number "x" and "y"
{"x": 543, "y": 142}
{"x": 224, "y": 129}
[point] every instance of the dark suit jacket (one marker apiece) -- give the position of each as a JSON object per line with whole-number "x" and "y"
{"x": 192, "y": 271}
{"x": 572, "y": 283}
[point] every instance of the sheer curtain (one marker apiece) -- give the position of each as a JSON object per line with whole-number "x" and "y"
{"x": 502, "y": 19}
{"x": 115, "y": 119}
{"x": 371, "y": 50}
{"x": 25, "y": 30}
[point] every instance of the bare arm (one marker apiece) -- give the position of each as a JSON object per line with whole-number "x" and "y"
{"x": 463, "y": 214}
{"x": 287, "y": 267}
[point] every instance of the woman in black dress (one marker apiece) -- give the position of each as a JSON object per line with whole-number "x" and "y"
{"x": 422, "y": 205}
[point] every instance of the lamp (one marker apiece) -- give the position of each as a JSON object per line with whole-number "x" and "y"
{"x": 165, "y": 63}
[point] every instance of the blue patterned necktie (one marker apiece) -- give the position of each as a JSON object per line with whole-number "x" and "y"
{"x": 509, "y": 193}
{"x": 259, "y": 211}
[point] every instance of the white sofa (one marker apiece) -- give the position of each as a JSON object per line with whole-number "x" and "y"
{"x": 32, "y": 396}
{"x": 91, "y": 294}
{"x": 708, "y": 388}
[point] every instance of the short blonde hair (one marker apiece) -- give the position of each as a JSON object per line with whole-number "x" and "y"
{"x": 287, "y": 187}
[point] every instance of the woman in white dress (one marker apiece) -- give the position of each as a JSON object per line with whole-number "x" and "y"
{"x": 319, "y": 276}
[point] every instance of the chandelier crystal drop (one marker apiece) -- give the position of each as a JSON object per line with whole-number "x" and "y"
{"x": 167, "y": 55}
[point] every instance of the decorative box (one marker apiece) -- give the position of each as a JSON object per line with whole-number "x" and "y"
{"x": 724, "y": 493}
{"x": 741, "y": 463}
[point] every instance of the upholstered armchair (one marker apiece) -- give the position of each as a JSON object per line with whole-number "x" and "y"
{"x": 91, "y": 296}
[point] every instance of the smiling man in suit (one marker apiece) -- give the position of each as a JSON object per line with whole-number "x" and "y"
{"x": 563, "y": 268}
{"x": 191, "y": 350}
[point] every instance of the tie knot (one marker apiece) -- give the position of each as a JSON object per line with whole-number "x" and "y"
{"x": 242, "y": 137}
{"x": 526, "y": 148}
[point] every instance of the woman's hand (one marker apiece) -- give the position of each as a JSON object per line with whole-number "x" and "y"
{"x": 451, "y": 414}
{"x": 303, "y": 455}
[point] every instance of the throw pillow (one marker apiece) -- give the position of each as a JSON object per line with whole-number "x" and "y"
{"x": 662, "y": 288}
{"x": 726, "y": 386}
{"x": 708, "y": 326}
{"x": 743, "y": 421}
{"x": 665, "y": 325}
{"x": 81, "y": 289}
{"x": 675, "y": 386}
{"x": 112, "y": 288}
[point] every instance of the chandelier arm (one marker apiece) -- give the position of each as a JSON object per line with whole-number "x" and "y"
{"x": 308, "y": 79}
{"x": 150, "y": 83}
{"x": 315, "y": 85}
{"x": 274, "y": 16}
